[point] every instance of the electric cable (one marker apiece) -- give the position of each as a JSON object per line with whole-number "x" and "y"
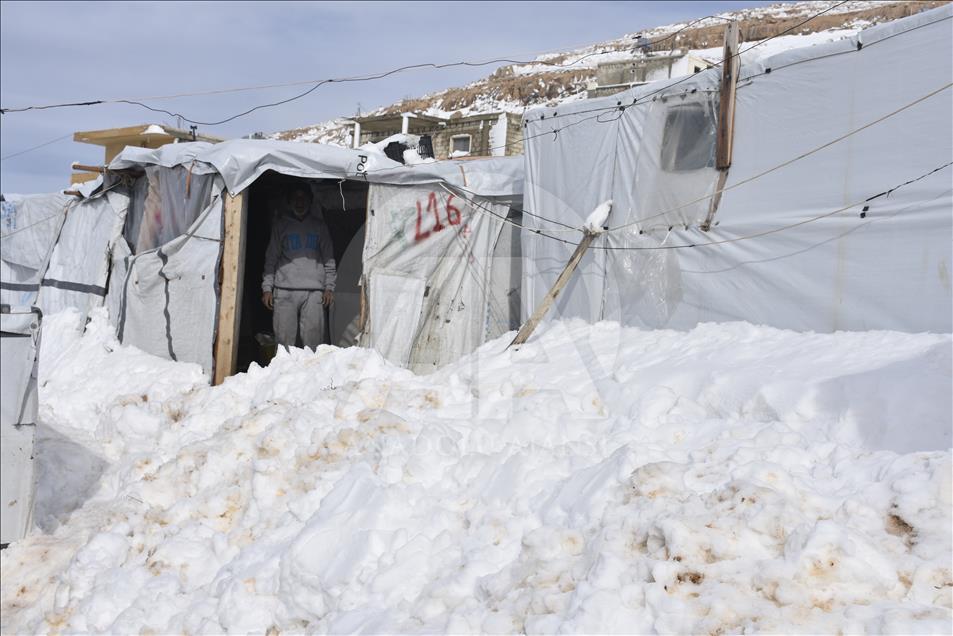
{"x": 364, "y": 78}
{"x": 36, "y": 147}
{"x": 731, "y": 240}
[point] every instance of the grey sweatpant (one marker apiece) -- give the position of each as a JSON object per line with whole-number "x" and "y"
{"x": 298, "y": 311}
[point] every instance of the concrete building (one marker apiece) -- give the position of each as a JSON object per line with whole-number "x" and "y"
{"x": 114, "y": 140}
{"x": 485, "y": 135}
{"x": 615, "y": 77}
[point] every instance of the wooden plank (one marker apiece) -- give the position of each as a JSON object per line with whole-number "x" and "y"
{"x": 527, "y": 329}
{"x": 81, "y": 167}
{"x": 726, "y": 106}
{"x": 231, "y": 277}
{"x": 715, "y": 200}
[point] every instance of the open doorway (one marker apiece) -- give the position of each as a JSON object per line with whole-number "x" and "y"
{"x": 344, "y": 205}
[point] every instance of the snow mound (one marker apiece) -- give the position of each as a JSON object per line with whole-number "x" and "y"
{"x": 600, "y": 479}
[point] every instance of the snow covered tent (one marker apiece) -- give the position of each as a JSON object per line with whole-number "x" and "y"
{"x": 188, "y": 223}
{"x": 835, "y": 213}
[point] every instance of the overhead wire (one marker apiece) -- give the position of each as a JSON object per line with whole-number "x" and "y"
{"x": 318, "y": 83}
{"x": 786, "y": 163}
{"x": 370, "y": 77}
{"x": 36, "y": 147}
{"x": 641, "y": 99}
{"x": 598, "y": 117}
{"x": 744, "y": 181}
{"x": 775, "y": 230}
{"x": 409, "y": 67}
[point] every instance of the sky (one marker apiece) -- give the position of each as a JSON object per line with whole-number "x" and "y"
{"x": 64, "y": 52}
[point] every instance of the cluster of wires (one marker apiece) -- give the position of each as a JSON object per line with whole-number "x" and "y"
{"x": 315, "y": 84}
{"x": 858, "y": 203}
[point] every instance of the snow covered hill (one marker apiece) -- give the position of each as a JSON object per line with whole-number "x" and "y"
{"x": 600, "y": 479}
{"x": 557, "y": 77}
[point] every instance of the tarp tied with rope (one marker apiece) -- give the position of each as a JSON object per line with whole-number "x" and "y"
{"x": 800, "y": 238}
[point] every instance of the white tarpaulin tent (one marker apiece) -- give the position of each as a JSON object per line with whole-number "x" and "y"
{"x": 148, "y": 242}
{"x": 178, "y": 279}
{"x": 784, "y": 248}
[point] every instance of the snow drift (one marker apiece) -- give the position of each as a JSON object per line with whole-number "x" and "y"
{"x": 599, "y": 479}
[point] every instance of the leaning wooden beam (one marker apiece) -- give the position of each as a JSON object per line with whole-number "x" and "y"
{"x": 724, "y": 140}
{"x": 232, "y": 275}
{"x": 530, "y": 325}
{"x": 726, "y": 106}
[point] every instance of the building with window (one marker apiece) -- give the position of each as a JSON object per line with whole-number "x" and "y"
{"x": 615, "y": 77}
{"x": 496, "y": 134}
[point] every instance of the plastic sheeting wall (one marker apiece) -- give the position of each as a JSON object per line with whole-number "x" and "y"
{"x": 29, "y": 226}
{"x": 78, "y": 270}
{"x": 165, "y": 203}
{"x": 165, "y": 300}
{"x": 889, "y": 269}
{"x": 19, "y": 343}
{"x": 428, "y": 265}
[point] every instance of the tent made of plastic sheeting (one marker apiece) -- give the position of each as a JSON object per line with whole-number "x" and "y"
{"x": 183, "y": 298}
{"x": 168, "y": 240}
{"x": 835, "y": 213}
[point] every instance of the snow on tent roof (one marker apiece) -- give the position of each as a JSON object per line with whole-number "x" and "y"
{"x": 241, "y": 161}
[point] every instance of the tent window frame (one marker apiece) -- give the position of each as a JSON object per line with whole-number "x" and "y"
{"x": 689, "y": 133}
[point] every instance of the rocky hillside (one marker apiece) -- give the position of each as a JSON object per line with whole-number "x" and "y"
{"x": 557, "y": 77}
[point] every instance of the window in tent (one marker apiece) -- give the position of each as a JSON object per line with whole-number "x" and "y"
{"x": 688, "y": 139}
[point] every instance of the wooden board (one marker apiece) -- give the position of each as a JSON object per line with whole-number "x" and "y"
{"x": 527, "y": 329}
{"x": 726, "y": 106}
{"x": 231, "y": 277}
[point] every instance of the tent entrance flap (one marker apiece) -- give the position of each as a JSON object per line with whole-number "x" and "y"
{"x": 342, "y": 205}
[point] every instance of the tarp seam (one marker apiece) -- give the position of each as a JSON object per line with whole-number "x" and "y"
{"x": 84, "y": 288}
{"x": 165, "y": 311}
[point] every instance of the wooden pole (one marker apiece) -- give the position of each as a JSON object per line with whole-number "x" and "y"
{"x": 726, "y": 107}
{"x": 81, "y": 167}
{"x": 232, "y": 278}
{"x": 724, "y": 140}
{"x": 530, "y": 325}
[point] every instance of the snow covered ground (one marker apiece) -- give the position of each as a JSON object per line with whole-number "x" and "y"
{"x": 599, "y": 479}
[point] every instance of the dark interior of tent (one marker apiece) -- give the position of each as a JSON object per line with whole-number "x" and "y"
{"x": 343, "y": 205}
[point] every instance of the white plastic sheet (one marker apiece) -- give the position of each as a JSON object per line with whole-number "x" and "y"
{"x": 29, "y": 226}
{"x": 79, "y": 265}
{"x": 432, "y": 251}
{"x": 780, "y": 261}
{"x": 19, "y": 343}
{"x": 165, "y": 299}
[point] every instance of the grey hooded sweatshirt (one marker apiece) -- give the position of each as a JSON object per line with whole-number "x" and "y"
{"x": 300, "y": 254}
